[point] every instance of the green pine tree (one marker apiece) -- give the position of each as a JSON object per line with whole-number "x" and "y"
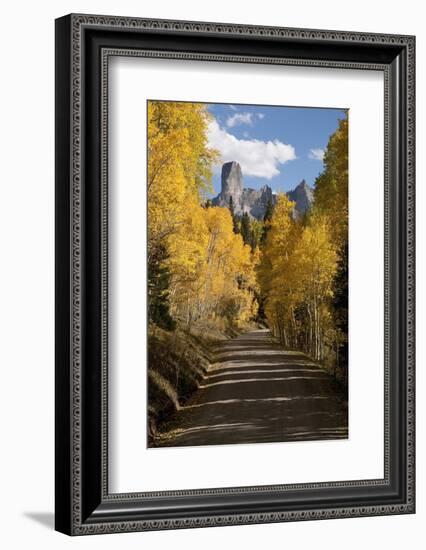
{"x": 245, "y": 228}
{"x": 158, "y": 292}
{"x": 266, "y": 221}
{"x": 234, "y": 219}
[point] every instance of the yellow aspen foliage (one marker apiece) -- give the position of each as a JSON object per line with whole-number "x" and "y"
{"x": 179, "y": 164}
{"x": 331, "y": 187}
{"x": 200, "y": 268}
{"x": 230, "y": 276}
{"x": 187, "y": 257}
{"x": 331, "y": 200}
{"x": 275, "y": 271}
{"x": 204, "y": 264}
{"x": 315, "y": 261}
{"x": 296, "y": 274}
{"x": 279, "y": 240}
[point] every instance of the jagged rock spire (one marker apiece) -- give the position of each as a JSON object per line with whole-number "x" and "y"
{"x": 232, "y": 184}
{"x": 254, "y": 201}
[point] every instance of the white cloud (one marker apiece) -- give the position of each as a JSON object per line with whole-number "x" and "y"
{"x": 316, "y": 154}
{"x": 233, "y": 108}
{"x": 257, "y": 158}
{"x": 239, "y": 118}
{"x": 242, "y": 118}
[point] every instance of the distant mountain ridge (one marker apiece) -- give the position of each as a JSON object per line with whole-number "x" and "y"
{"x": 255, "y": 201}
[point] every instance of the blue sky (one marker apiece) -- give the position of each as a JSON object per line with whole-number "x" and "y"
{"x": 278, "y": 146}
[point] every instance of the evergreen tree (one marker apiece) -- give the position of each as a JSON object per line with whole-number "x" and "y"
{"x": 234, "y": 219}
{"x": 253, "y": 240}
{"x": 267, "y": 221}
{"x": 158, "y": 291}
{"x": 268, "y": 211}
{"x": 246, "y": 229}
{"x": 340, "y": 303}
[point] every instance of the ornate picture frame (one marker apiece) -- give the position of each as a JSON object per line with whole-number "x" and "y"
{"x": 84, "y": 44}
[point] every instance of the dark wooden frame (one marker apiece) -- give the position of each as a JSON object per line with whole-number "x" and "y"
{"x": 83, "y": 46}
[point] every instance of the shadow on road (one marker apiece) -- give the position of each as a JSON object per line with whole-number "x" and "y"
{"x": 257, "y": 392}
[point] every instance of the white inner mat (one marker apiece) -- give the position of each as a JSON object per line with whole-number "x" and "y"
{"x": 133, "y": 467}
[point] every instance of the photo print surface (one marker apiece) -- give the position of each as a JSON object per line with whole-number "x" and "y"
{"x": 247, "y": 255}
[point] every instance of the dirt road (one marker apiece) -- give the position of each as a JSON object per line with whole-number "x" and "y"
{"x": 257, "y": 392}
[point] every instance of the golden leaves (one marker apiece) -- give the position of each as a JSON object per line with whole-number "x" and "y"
{"x": 300, "y": 258}
{"x": 211, "y": 270}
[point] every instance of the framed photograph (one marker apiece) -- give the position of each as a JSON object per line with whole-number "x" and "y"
{"x": 234, "y": 274}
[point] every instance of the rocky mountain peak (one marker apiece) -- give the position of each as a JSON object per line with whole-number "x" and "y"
{"x": 302, "y": 195}
{"x": 254, "y": 201}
